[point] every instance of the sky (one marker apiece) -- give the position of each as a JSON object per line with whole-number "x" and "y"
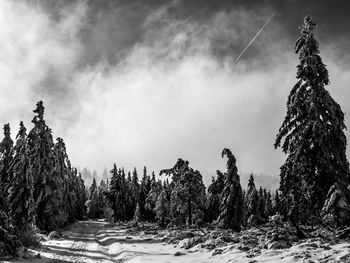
{"x": 137, "y": 82}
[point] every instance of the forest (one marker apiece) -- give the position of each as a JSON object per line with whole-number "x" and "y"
{"x": 41, "y": 191}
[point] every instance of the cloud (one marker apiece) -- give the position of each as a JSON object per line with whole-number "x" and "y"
{"x": 169, "y": 92}
{"x": 37, "y": 58}
{"x": 174, "y": 96}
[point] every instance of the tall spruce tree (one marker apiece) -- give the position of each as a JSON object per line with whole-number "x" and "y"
{"x": 151, "y": 200}
{"x": 20, "y": 188}
{"x": 252, "y": 203}
{"x": 80, "y": 210}
{"x": 94, "y": 210}
{"x": 214, "y": 197}
{"x": 231, "y": 196}
{"x": 312, "y": 135}
{"x": 63, "y": 192}
{"x": 6, "y": 155}
{"x": 41, "y": 163}
{"x": 119, "y": 197}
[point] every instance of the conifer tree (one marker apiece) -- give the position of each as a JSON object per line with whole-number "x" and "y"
{"x": 63, "y": 193}
{"x": 20, "y": 188}
{"x": 143, "y": 193}
{"x": 6, "y": 155}
{"x": 214, "y": 197}
{"x": 81, "y": 195}
{"x": 262, "y": 202}
{"x": 101, "y": 198}
{"x": 162, "y": 209}
{"x": 94, "y": 210}
{"x": 231, "y": 197}
{"x": 312, "y": 135}
{"x": 119, "y": 196}
{"x": 188, "y": 193}
{"x": 268, "y": 205}
{"x": 277, "y": 203}
{"x": 41, "y": 163}
{"x": 252, "y": 202}
{"x": 134, "y": 191}
{"x": 156, "y": 189}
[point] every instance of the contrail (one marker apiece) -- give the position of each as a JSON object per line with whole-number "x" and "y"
{"x": 251, "y": 41}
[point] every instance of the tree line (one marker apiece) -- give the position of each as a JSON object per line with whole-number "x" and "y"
{"x": 314, "y": 180}
{"x": 183, "y": 200}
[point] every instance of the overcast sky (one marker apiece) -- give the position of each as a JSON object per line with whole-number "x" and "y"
{"x": 145, "y": 82}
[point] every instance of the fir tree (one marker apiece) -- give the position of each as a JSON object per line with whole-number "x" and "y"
{"x": 6, "y": 155}
{"x": 143, "y": 193}
{"x": 231, "y": 196}
{"x": 94, "y": 209}
{"x": 268, "y": 205}
{"x": 152, "y": 197}
{"x": 312, "y": 134}
{"x": 134, "y": 190}
{"x": 214, "y": 197}
{"x": 277, "y": 203}
{"x": 188, "y": 194}
{"x": 63, "y": 193}
{"x": 119, "y": 196}
{"x": 262, "y": 201}
{"x": 77, "y": 185}
{"x": 20, "y": 188}
{"x": 41, "y": 163}
{"x": 252, "y": 202}
{"x": 162, "y": 208}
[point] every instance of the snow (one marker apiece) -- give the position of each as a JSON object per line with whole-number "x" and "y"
{"x": 96, "y": 241}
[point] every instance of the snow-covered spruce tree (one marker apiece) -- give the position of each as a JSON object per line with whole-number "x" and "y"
{"x": 261, "y": 206}
{"x": 41, "y": 163}
{"x": 277, "y": 203}
{"x": 162, "y": 209}
{"x": 187, "y": 201}
{"x": 252, "y": 203}
{"x": 312, "y": 135}
{"x": 156, "y": 189}
{"x": 64, "y": 206}
{"x": 101, "y": 198}
{"x": 6, "y": 155}
{"x": 268, "y": 205}
{"x": 94, "y": 211}
{"x": 119, "y": 196}
{"x": 20, "y": 188}
{"x": 231, "y": 196}
{"x": 144, "y": 189}
{"x": 80, "y": 210}
{"x": 213, "y": 198}
{"x": 134, "y": 189}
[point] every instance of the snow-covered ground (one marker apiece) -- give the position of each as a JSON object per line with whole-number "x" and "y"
{"x": 97, "y": 241}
